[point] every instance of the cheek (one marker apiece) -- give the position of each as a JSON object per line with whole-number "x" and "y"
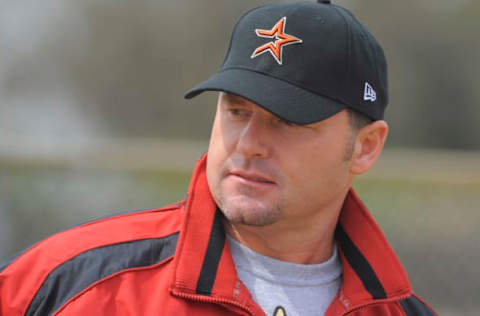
{"x": 319, "y": 169}
{"x": 215, "y": 155}
{"x": 317, "y": 186}
{"x": 218, "y": 152}
{"x": 222, "y": 138}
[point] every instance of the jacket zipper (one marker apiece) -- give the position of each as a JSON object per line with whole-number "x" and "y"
{"x": 209, "y": 299}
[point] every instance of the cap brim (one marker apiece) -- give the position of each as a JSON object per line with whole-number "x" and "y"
{"x": 281, "y": 98}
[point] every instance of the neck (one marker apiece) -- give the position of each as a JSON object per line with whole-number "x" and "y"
{"x": 304, "y": 241}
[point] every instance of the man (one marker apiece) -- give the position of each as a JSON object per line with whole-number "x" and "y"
{"x": 271, "y": 225}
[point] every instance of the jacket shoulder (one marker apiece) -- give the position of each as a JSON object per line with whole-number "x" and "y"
{"x": 409, "y": 306}
{"x": 85, "y": 254}
{"x": 415, "y": 306}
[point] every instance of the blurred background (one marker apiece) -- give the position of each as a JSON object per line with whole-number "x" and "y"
{"x": 93, "y": 121}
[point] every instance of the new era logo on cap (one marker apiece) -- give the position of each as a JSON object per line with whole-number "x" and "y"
{"x": 369, "y": 94}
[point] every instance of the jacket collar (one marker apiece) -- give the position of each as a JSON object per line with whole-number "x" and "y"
{"x": 371, "y": 270}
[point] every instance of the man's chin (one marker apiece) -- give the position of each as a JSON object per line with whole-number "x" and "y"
{"x": 250, "y": 212}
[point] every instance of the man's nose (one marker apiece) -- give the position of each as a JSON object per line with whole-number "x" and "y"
{"x": 255, "y": 138}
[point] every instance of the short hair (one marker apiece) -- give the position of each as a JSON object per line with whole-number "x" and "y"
{"x": 357, "y": 120}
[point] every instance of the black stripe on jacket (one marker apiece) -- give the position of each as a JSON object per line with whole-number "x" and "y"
{"x": 360, "y": 265}
{"x": 216, "y": 243}
{"x": 83, "y": 270}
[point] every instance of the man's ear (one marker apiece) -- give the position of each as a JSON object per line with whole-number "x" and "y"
{"x": 368, "y": 146}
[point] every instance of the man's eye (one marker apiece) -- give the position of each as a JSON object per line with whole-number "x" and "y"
{"x": 235, "y": 111}
{"x": 238, "y": 113}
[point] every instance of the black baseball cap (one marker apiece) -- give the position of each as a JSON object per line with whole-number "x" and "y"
{"x": 304, "y": 62}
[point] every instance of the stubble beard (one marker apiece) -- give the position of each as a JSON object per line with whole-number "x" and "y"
{"x": 245, "y": 210}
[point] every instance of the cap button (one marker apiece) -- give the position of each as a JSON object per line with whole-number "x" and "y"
{"x": 324, "y": 1}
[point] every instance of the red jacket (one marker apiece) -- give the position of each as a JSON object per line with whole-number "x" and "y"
{"x": 175, "y": 261}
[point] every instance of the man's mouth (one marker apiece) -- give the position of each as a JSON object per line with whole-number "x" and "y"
{"x": 252, "y": 177}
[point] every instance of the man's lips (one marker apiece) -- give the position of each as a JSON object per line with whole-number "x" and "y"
{"x": 252, "y": 177}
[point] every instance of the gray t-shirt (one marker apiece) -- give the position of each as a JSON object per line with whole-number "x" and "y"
{"x": 287, "y": 289}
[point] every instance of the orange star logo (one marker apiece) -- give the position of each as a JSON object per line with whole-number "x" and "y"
{"x": 275, "y": 48}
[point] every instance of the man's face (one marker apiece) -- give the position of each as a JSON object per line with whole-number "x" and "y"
{"x": 262, "y": 170}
